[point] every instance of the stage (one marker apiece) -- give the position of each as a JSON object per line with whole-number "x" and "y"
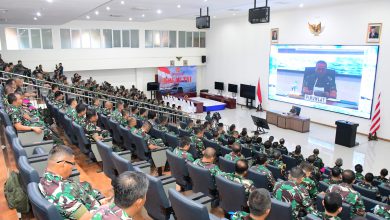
{"x": 209, "y": 105}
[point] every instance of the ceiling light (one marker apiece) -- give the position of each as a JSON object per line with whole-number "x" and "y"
{"x": 96, "y": 12}
{"x": 122, "y": 2}
{"x": 214, "y": 16}
{"x": 234, "y": 14}
{"x": 50, "y": 1}
{"x": 159, "y": 11}
{"x": 39, "y": 14}
{"x": 205, "y": 0}
{"x": 301, "y": 5}
{"x": 143, "y": 15}
{"x": 35, "y": 18}
{"x": 178, "y": 6}
{"x": 108, "y": 8}
{"x": 87, "y": 17}
{"x": 130, "y": 19}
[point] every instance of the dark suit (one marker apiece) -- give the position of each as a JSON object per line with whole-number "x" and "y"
{"x": 312, "y": 79}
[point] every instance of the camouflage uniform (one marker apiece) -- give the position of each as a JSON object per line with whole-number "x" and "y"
{"x": 282, "y": 148}
{"x": 198, "y": 145}
{"x": 311, "y": 187}
{"x": 349, "y": 196}
{"x": 370, "y": 187}
{"x": 116, "y": 116}
{"x": 106, "y": 112}
{"x": 149, "y": 140}
{"x": 318, "y": 162}
{"x": 247, "y": 183}
{"x": 162, "y": 128}
{"x": 71, "y": 113}
{"x": 240, "y": 216}
{"x": 213, "y": 168}
{"x": 184, "y": 154}
{"x": 80, "y": 120}
{"x": 216, "y": 140}
{"x": 269, "y": 152}
{"x": 50, "y": 96}
{"x": 324, "y": 216}
{"x": 234, "y": 157}
{"x": 131, "y": 129}
{"x": 92, "y": 129}
{"x": 123, "y": 121}
{"x": 265, "y": 171}
{"x": 359, "y": 176}
{"x": 331, "y": 181}
{"x": 381, "y": 179}
{"x": 110, "y": 212}
{"x": 59, "y": 104}
{"x": 299, "y": 157}
{"x": 72, "y": 199}
{"x": 382, "y": 211}
{"x": 279, "y": 164}
{"x": 297, "y": 196}
{"x": 17, "y": 116}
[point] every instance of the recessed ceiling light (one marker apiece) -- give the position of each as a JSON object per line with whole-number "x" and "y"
{"x": 130, "y": 19}
{"x": 50, "y": 1}
{"x": 234, "y": 14}
{"x": 178, "y": 6}
{"x": 143, "y": 15}
{"x": 159, "y": 11}
{"x": 35, "y": 18}
{"x": 122, "y": 2}
{"x": 205, "y": 0}
{"x": 96, "y": 12}
{"x": 39, "y": 14}
{"x": 301, "y": 5}
{"x": 214, "y": 16}
{"x": 87, "y": 17}
{"x": 108, "y": 8}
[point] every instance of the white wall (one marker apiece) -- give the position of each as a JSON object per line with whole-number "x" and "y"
{"x": 238, "y": 52}
{"x": 119, "y": 66}
{"x": 107, "y": 58}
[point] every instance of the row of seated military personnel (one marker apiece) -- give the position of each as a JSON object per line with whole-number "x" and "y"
{"x": 310, "y": 188}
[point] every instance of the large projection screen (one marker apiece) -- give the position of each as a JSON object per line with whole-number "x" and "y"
{"x": 334, "y": 78}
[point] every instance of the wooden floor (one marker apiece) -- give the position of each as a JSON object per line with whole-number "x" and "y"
{"x": 88, "y": 172}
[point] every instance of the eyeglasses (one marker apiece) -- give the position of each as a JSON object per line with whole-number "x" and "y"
{"x": 68, "y": 162}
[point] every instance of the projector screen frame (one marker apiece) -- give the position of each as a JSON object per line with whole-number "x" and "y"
{"x": 334, "y": 45}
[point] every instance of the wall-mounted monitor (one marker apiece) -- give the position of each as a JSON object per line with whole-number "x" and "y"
{"x": 232, "y": 88}
{"x": 338, "y": 78}
{"x": 219, "y": 86}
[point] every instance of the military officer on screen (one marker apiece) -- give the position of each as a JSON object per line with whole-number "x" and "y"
{"x": 319, "y": 81}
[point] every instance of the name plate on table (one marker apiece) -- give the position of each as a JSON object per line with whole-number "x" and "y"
{"x": 313, "y": 98}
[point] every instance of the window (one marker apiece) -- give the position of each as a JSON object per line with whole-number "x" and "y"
{"x": 85, "y": 39}
{"x": 24, "y": 39}
{"x": 189, "y": 39}
{"x": 95, "y": 38}
{"x": 117, "y": 38}
{"x": 76, "y": 38}
{"x": 125, "y": 38}
{"x": 11, "y": 38}
{"x": 47, "y": 39}
{"x": 156, "y": 39}
{"x": 66, "y": 43}
{"x": 203, "y": 39}
{"x": 196, "y": 39}
{"x": 148, "y": 39}
{"x": 36, "y": 38}
{"x": 28, "y": 38}
{"x": 172, "y": 39}
{"x": 134, "y": 38}
{"x": 182, "y": 39}
{"x": 164, "y": 36}
{"x": 107, "y": 38}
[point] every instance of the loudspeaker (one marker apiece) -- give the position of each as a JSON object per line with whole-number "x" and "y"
{"x": 153, "y": 86}
{"x": 203, "y": 59}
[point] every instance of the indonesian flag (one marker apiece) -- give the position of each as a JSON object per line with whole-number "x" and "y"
{"x": 259, "y": 97}
{"x": 376, "y": 119}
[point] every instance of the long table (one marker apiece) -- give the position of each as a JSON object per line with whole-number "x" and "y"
{"x": 230, "y": 102}
{"x": 287, "y": 121}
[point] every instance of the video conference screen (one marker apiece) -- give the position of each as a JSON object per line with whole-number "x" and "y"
{"x": 334, "y": 78}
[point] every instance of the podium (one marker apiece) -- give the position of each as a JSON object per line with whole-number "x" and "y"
{"x": 346, "y": 133}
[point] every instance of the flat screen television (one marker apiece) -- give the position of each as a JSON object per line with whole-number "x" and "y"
{"x": 247, "y": 91}
{"x": 219, "y": 85}
{"x": 232, "y": 88}
{"x": 203, "y": 22}
{"x": 337, "y": 78}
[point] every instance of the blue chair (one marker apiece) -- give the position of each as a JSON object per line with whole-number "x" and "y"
{"x": 154, "y": 132}
{"x": 369, "y": 204}
{"x": 231, "y": 194}
{"x": 42, "y": 208}
{"x": 183, "y": 133}
{"x": 27, "y": 173}
{"x": 279, "y": 210}
{"x": 345, "y": 213}
{"x": 171, "y": 140}
{"x": 384, "y": 191}
{"x": 187, "y": 209}
{"x": 322, "y": 186}
{"x": 116, "y": 134}
{"x": 179, "y": 170}
{"x": 225, "y": 150}
{"x": 246, "y": 151}
{"x": 173, "y": 128}
{"x": 123, "y": 165}
{"x": 226, "y": 165}
{"x": 82, "y": 140}
{"x": 276, "y": 172}
{"x": 105, "y": 152}
{"x": 202, "y": 181}
{"x": 372, "y": 216}
{"x": 209, "y": 143}
{"x": 371, "y": 194}
{"x": 159, "y": 207}
{"x": 289, "y": 161}
{"x": 259, "y": 180}
{"x": 127, "y": 139}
